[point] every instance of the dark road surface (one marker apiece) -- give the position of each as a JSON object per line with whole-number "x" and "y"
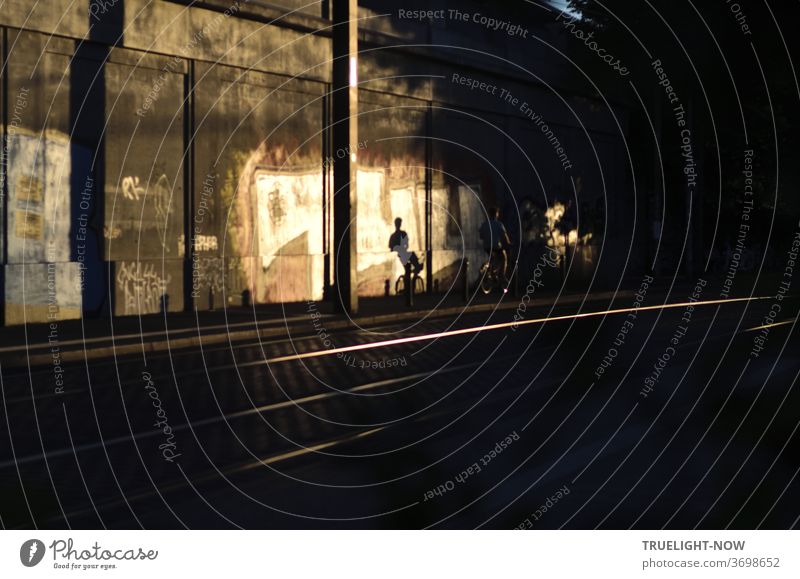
{"x": 541, "y": 426}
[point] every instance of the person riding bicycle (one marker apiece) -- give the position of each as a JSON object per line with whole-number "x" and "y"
{"x": 495, "y": 239}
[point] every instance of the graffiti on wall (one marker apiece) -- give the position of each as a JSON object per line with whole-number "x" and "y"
{"x": 201, "y": 243}
{"x": 112, "y": 231}
{"x": 28, "y": 216}
{"x": 131, "y": 189}
{"x": 42, "y": 211}
{"x": 289, "y": 206}
{"x": 160, "y": 195}
{"x": 38, "y": 179}
{"x": 141, "y": 287}
{"x": 269, "y": 213}
{"x": 213, "y": 274}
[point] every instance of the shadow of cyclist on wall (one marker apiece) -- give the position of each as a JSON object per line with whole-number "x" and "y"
{"x": 398, "y": 242}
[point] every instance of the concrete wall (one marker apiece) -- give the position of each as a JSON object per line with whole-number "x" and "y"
{"x": 165, "y": 156}
{"x": 258, "y": 204}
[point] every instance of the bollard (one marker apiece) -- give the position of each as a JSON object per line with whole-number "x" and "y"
{"x": 386, "y": 287}
{"x": 210, "y": 298}
{"x": 246, "y": 300}
{"x": 515, "y": 280}
{"x": 409, "y": 286}
{"x": 466, "y": 279}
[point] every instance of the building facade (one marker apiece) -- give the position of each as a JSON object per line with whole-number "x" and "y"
{"x": 169, "y": 155}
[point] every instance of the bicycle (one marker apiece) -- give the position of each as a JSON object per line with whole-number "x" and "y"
{"x": 417, "y": 283}
{"x": 491, "y": 275}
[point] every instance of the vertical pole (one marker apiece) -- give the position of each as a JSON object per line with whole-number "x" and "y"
{"x": 465, "y": 285}
{"x": 698, "y": 137}
{"x": 4, "y": 145}
{"x": 409, "y": 279}
{"x": 429, "y": 200}
{"x": 657, "y": 199}
{"x": 327, "y": 197}
{"x": 188, "y": 192}
{"x": 345, "y": 144}
{"x": 691, "y": 200}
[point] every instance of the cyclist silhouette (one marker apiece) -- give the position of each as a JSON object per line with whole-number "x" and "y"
{"x": 495, "y": 239}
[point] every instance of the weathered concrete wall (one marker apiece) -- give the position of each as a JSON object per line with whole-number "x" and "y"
{"x": 258, "y": 211}
{"x": 172, "y": 29}
{"x": 166, "y": 156}
{"x": 144, "y": 176}
{"x": 40, "y": 277}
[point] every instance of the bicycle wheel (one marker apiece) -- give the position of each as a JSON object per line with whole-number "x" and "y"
{"x": 400, "y": 285}
{"x": 488, "y": 280}
{"x": 419, "y": 285}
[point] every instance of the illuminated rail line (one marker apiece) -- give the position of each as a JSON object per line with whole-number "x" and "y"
{"x": 500, "y": 326}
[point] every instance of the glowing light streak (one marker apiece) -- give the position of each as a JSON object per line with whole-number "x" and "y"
{"x": 490, "y": 327}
